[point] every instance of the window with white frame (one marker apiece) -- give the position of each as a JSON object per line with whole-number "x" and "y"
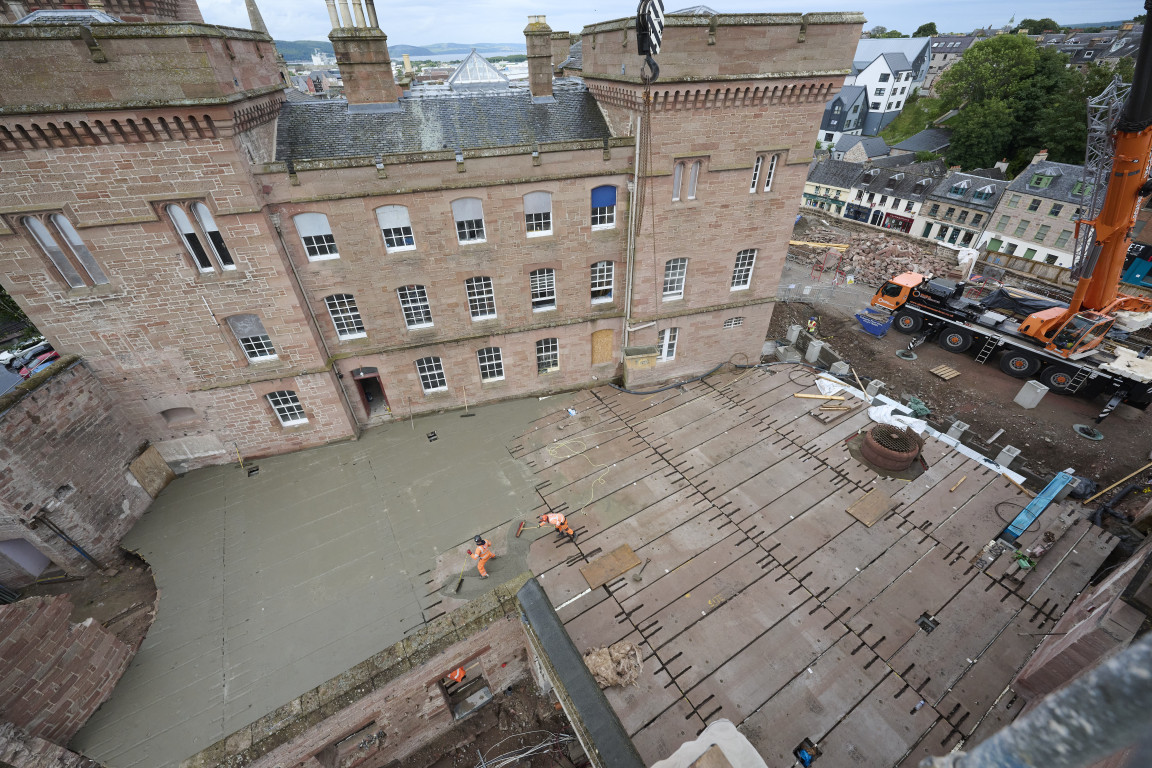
{"x": 190, "y": 238}
{"x": 734, "y": 322}
{"x": 604, "y": 207}
{"x": 756, "y": 173}
{"x": 674, "y": 272}
{"x": 538, "y": 213}
{"x": 542, "y": 283}
{"x": 431, "y": 371}
{"x": 677, "y": 180}
{"x": 212, "y": 233}
{"x": 491, "y": 364}
{"x": 742, "y": 272}
{"x": 316, "y": 234}
{"x": 481, "y": 298}
{"x": 770, "y": 172}
{"x": 693, "y": 177}
{"x": 67, "y": 235}
{"x": 666, "y": 343}
{"x": 396, "y": 228}
{"x": 602, "y": 278}
{"x": 414, "y": 302}
{"x": 345, "y": 316}
{"x": 469, "y": 215}
{"x": 547, "y": 355}
{"x": 252, "y": 337}
{"x": 287, "y": 407}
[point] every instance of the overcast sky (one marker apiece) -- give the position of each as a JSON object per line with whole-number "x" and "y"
{"x": 503, "y": 21}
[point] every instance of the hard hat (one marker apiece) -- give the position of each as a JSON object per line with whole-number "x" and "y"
{"x": 478, "y": 539}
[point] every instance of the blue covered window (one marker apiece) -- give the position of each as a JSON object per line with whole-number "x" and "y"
{"x": 604, "y": 207}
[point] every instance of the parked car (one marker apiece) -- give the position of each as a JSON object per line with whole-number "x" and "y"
{"x": 8, "y": 355}
{"x": 24, "y": 358}
{"x": 38, "y": 363}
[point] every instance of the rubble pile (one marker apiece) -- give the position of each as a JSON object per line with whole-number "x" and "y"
{"x": 872, "y": 257}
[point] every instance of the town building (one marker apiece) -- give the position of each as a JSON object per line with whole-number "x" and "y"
{"x": 828, "y": 184}
{"x": 934, "y": 140}
{"x": 892, "y": 197}
{"x": 957, "y": 209}
{"x": 859, "y": 149}
{"x": 1036, "y": 216}
{"x": 844, "y": 114}
{"x": 946, "y": 51}
{"x": 247, "y": 273}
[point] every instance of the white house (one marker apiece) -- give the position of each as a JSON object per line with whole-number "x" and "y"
{"x": 890, "y": 70}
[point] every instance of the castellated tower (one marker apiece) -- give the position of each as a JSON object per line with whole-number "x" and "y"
{"x": 729, "y": 154}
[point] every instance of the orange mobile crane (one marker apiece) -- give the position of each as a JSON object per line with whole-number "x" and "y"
{"x": 1062, "y": 343}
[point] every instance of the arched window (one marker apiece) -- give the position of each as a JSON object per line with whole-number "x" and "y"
{"x": 469, "y": 215}
{"x": 287, "y": 407}
{"x": 602, "y": 279}
{"x": 64, "y": 243}
{"x": 674, "y": 272}
{"x": 491, "y": 363}
{"x": 212, "y": 232}
{"x": 481, "y": 298}
{"x": 538, "y": 213}
{"x": 396, "y": 228}
{"x": 604, "y": 207}
{"x": 770, "y": 173}
{"x": 345, "y": 316}
{"x": 414, "y": 303}
{"x": 693, "y": 177}
{"x": 742, "y": 272}
{"x": 252, "y": 337}
{"x": 316, "y": 234}
{"x": 190, "y": 238}
{"x": 666, "y": 343}
{"x": 677, "y": 180}
{"x": 431, "y": 372}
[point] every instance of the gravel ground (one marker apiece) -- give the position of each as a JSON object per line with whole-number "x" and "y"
{"x": 981, "y": 396}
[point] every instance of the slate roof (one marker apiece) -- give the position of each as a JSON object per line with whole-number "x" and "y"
{"x": 575, "y": 58}
{"x": 943, "y": 191}
{"x": 834, "y": 173}
{"x": 953, "y": 44}
{"x": 874, "y": 146}
{"x": 928, "y": 140}
{"x": 1066, "y": 176}
{"x": 903, "y": 182}
{"x": 868, "y": 49}
{"x": 897, "y": 62}
{"x": 439, "y": 121}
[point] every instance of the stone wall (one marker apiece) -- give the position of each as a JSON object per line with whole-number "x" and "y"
{"x": 65, "y": 449}
{"x": 20, "y": 749}
{"x": 54, "y": 673}
{"x": 396, "y": 691}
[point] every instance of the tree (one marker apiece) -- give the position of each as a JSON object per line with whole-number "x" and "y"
{"x": 878, "y": 31}
{"x": 981, "y": 134}
{"x": 926, "y": 30}
{"x": 991, "y": 69}
{"x": 927, "y": 157}
{"x": 9, "y": 309}
{"x": 894, "y": 33}
{"x": 1037, "y": 26}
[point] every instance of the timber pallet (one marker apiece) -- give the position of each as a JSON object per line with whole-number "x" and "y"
{"x": 945, "y": 372}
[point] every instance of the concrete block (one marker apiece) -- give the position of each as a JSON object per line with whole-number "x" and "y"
{"x": 813, "y": 353}
{"x": 840, "y": 368}
{"x": 957, "y": 429}
{"x": 1007, "y": 455}
{"x": 793, "y": 333}
{"x": 874, "y": 387}
{"x": 1030, "y": 394}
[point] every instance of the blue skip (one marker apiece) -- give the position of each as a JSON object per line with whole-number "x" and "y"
{"x": 1029, "y": 514}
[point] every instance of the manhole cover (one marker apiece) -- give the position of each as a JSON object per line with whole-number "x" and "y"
{"x": 1089, "y": 432}
{"x": 906, "y": 355}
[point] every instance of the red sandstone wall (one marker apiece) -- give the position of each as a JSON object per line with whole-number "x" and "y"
{"x": 54, "y": 674}
{"x": 65, "y": 449}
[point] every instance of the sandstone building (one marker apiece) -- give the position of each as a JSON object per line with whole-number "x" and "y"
{"x": 246, "y": 270}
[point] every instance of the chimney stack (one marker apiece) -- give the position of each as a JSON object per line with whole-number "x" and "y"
{"x": 538, "y": 36}
{"x": 362, "y": 55}
{"x": 407, "y": 65}
{"x": 561, "y": 43}
{"x": 1040, "y": 157}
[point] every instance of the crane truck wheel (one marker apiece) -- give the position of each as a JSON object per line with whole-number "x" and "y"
{"x": 955, "y": 340}
{"x": 1057, "y": 378}
{"x": 908, "y": 322}
{"x": 1019, "y": 364}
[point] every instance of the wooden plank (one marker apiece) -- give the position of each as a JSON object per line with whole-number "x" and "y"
{"x": 603, "y": 569}
{"x": 151, "y": 471}
{"x": 945, "y": 372}
{"x": 872, "y": 507}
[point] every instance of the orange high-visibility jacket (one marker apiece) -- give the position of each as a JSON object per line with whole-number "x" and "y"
{"x": 458, "y": 674}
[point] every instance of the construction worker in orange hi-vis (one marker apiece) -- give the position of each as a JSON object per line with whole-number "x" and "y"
{"x": 457, "y": 675}
{"x": 482, "y": 555}
{"x": 561, "y": 523}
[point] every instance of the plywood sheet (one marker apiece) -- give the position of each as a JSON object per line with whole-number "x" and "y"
{"x": 872, "y": 507}
{"x": 151, "y": 471}
{"x": 602, "y": 570}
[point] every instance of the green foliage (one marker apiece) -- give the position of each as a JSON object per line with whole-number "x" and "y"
{"x": 894, "y": 33}
{"x": 927, "y": 157}
{"x": 926, "y": 30}
{"x": 1039, "y": 26}
{"x": 513, "y": 59}
{"x": 991, "y": 69}
{"x": 918, "y": 113}
{"x": 981, "y": 134}
{"x": 9, "y": 310}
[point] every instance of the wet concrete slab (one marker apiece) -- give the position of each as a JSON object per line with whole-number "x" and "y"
{"x": 764, "y": 602}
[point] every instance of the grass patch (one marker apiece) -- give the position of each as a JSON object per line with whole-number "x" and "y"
{"x": 917, "y": 114}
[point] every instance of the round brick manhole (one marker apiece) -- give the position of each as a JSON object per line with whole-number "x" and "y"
{"x": 889, "y": 447}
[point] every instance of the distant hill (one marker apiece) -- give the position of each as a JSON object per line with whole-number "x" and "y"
{"x": 301, "y": 50}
